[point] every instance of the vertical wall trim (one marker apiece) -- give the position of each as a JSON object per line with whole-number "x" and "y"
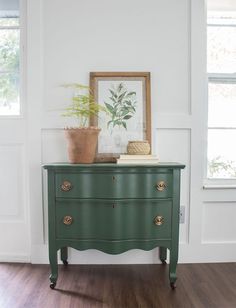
{"x": 199, "y": 113}
{"x": 190, "y": 56}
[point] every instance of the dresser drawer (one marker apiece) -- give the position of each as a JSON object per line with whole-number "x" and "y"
{"x": 108, "y": 185}
{"x": 103, "y": 219}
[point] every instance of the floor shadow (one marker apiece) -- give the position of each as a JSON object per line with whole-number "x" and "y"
{"x": 79, "y": 295}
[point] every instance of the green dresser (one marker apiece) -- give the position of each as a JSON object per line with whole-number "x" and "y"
{"x": 113, "y": 208}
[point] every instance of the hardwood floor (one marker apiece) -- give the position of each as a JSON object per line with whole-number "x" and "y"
{"x": 198, "y": 285}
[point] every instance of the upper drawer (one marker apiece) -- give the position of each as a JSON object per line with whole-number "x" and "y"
{"x": 108, "y": 185}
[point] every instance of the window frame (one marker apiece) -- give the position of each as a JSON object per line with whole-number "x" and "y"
{"x": 22, "y": 66}
{"x": 222, "y": 78}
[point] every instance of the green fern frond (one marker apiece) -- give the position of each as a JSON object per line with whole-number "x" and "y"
{"x": 83, "y": 104}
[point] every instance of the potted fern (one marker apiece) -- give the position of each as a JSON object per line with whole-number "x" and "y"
{"x": 82, "y": 139}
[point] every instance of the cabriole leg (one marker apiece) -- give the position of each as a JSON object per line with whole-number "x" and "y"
{"x": 64, "y": 255}
{"x": 172, "y": 268}
{"x": 54, "y": 267}
{"x": 163, "y": 253}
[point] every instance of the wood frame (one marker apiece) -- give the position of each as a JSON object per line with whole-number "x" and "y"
{"x": 143, "y": 76}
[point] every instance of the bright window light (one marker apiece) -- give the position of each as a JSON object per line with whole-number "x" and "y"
{"x": 9, "y": 63}
{"x": 221, "y": 60}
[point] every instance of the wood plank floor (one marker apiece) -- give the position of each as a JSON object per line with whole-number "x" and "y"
{"x": 118, "y": 286}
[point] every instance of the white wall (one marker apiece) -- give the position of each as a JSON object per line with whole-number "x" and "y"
{"x": 67, "y": 40}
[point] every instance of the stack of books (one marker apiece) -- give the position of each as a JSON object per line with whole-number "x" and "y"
{"x": 137, "y": 159}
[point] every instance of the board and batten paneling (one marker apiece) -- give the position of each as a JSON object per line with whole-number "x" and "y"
{"x": 14, "y": 230}
{"x": 167, "y": 38}
{"x": 12, "y": 186}
{"x": 218, "y": 224}
{"x": 167, "y": 147}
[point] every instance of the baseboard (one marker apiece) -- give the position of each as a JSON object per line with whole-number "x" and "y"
{"x": 204, "y": 253}
{"x": 208, "y": 253}
{"x": 91, "y": 256}
{"x": 15, "y": 258}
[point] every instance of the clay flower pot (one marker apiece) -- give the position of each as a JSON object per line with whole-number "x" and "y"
{"x": 81, "y": 144}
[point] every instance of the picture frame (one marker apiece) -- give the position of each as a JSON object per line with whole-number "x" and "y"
{"x": 127, "y": 99}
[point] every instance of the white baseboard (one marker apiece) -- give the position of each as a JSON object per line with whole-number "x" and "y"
{"x": 15, "y": 258}
{"x": 204, "y": 253}
{"x": 208, "y": 253}
{"x": 91, "y": 256}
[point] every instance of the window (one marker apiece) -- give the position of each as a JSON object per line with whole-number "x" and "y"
{"x": 221, "y": 63}
{"x": 9, "y": 58}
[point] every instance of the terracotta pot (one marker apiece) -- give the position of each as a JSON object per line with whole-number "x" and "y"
{"x": 81, "y": 144}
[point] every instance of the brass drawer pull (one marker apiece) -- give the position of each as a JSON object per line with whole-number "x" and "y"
{"x": 160, "y": 186}
{"x": 158, "y": 220}
{"x": 67, "y": 220}
{"x": 66, "y": 186}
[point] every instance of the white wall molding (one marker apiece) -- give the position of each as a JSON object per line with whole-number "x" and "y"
{"x": 35, "y": 68}
{"x": 14, "y": 258}
{"x": 218, "y": 225}
{"x": 218, "y": 195}
{"x": 179, "y": 103}
{"x": 13, "y": 179}
{"x": 211, "y": 253}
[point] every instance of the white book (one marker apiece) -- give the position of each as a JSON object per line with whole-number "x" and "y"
{"x": 137, "y": 161}
{"x": 135, "y": 157}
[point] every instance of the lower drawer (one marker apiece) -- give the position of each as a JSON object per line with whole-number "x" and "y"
{"x": 105, "y": 219}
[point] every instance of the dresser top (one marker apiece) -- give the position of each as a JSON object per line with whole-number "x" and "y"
{"x": 171, "y": 165}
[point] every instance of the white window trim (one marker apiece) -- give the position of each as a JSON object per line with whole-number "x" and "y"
{"x": 219, "y": 186}
{"x": 22, "y": 69}
{"x": 230, "y": 78}
{"x": 222, "y": 78}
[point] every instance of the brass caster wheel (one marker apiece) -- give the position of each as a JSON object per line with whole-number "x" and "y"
{"x": 52, "y": 285}
{"x": 65, "y": 262}
{"x": 173, "y": 285}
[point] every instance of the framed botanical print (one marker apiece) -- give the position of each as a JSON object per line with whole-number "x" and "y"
{"x": 126, "y": 98}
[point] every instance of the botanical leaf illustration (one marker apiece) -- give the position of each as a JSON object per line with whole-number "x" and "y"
{"x": 121, "y": 106}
